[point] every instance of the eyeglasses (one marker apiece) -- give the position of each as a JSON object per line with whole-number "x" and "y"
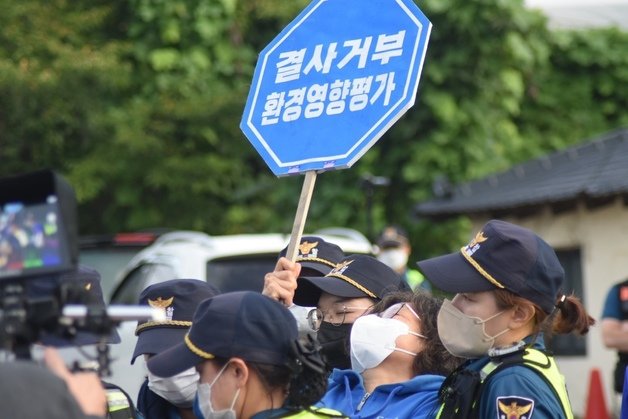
{"x": 394, "y": 309}
{"x": 335, "y": 315}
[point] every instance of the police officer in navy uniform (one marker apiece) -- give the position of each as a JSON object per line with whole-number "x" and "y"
{"x": 508, "y": 285}
{"x": 172, "y": 397}
{"x": 615, "y": 329}
{"x": 251, "y": 361}
{"x": 335, "y": 289}
{"x": 316, "y": 257}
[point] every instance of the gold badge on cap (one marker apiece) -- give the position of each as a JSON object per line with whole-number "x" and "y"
{"x": 163, "y": 304}
{"x": 308, "y": 250}
{"x": 340, "y": 268}
{"x": 474, "y": 244}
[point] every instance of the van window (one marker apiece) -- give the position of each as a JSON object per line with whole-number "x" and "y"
{"x": 144, "y": 275}
{"x": 239, "y": 274}
{"x": 108, "y": 262}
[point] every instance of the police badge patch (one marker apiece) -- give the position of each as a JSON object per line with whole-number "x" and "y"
{"x": 513, "y": 407}
{"x": 163, "y": 304}
{"x": 308, "y": 250}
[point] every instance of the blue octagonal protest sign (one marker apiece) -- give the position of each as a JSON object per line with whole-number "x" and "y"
{"x": 333, "y": 81}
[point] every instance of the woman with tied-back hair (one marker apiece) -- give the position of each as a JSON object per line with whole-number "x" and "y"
{"x": 508, "y": 284}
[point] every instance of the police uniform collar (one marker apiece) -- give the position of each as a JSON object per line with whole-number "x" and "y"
{"x": 534, "y": 340}
{"x": 496, "y": 353}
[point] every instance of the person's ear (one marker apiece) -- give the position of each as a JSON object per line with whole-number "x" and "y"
{"x": 240, "y": 371}
{"x": 522, "y": 314}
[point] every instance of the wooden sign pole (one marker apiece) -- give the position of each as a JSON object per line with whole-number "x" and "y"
{"x": 301, "y": 215}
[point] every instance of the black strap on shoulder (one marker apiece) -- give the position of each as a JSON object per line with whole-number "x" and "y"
{"x": 458, "y": 393}
{"x": 505, "y": 361}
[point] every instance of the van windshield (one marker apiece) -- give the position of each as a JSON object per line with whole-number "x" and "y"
{"x": 239, "y": 274}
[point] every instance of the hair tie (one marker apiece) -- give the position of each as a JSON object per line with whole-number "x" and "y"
{"x": 561, "y": 302}
{"x": 307, "y": 352}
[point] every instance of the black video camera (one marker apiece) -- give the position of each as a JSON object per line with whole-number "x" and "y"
{"x": 45, "y": 296}
{"x": 38, "y": 244}
{"x": 38, "y": 229}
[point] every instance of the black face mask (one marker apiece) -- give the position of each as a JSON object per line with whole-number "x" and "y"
{"x": 334, "y": 341}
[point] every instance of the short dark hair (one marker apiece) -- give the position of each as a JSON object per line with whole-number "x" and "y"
{"x": 304, "y": 380}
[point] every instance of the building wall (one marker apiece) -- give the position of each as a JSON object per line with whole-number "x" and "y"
{"x": 602, "y": 236}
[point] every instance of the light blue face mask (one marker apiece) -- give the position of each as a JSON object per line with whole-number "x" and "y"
{"x": 203, "y": 408}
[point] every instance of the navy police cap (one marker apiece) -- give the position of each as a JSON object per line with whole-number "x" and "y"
{"x": 242, "y": 324}
{"x": 178, "y": 298}
{"x": 501, "y": 256}
{"x": 355, "y": 276}
{"x": 78, "y": 286}
{"x": 317, "y": 254}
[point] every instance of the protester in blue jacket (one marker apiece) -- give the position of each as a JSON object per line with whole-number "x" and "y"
{"x": 398, "y": 362}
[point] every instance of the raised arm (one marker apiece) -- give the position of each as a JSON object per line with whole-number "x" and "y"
{"x": 281, "y": 284}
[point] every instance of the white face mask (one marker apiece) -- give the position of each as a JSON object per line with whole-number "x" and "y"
{"x": 394, "y": 258}
{"x": 179, "y": 389}
{"x": 373, "y": 339}
{"x": 462, "y": 335}
{"x": 203, "y": 407}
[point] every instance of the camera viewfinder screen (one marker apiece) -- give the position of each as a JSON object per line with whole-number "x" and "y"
{"x": 31, "y": 238}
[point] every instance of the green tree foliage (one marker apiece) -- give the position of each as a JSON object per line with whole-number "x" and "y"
{"x": 138, "y": 102}
{"x": 480, "y": 57}
{"x": 584, "y": 91}
{"x": 58, "y": 75}
{"x": 176, "y": 156}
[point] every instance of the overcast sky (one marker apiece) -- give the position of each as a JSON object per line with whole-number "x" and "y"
{"x": 582, "y": 13}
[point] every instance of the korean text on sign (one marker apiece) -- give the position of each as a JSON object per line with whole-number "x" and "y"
{"x": 333, "y": 98}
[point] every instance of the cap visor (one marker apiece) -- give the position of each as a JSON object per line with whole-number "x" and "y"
{"x": 173, "y": 361}
{"x": 335, "y": 286}
{"x": 157, "y": 340}
{"x": 317, "y": 267}
{"x": 306, "y": 294}
{"x": 452, "y": 273}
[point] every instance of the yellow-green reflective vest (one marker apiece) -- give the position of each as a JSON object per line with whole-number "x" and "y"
{"x": 317, "y": 413}
{"x": 118, "y": 405}
{"x": 414, "y": 278}
{"x": 545, "y": 366}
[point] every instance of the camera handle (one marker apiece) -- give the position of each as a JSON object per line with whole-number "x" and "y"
{"x": 102, "y": 320}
